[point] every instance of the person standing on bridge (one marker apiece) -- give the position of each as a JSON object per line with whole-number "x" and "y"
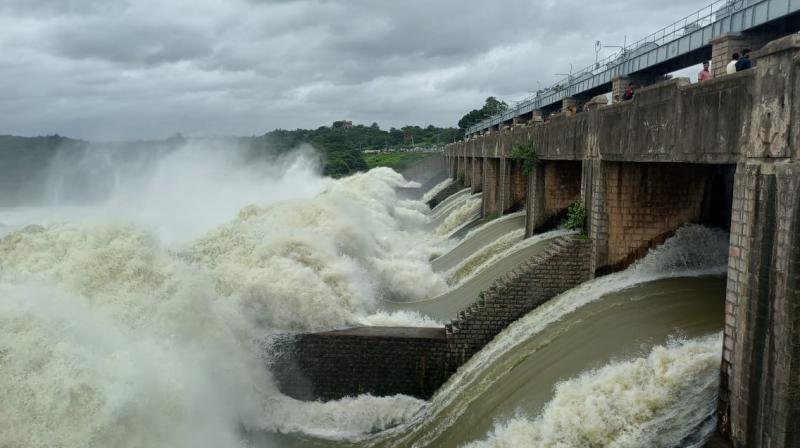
{"x": 731, "y": 67}
{"x": 744, "y": 62}
{"x": 705, "y": 73}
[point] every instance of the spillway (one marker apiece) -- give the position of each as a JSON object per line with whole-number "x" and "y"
{"x": 460, "y": 212}
{"x": 448, "y": 202}
{"x": 478, "y": 239}
{"x": 445, "y": 306}
{"x": 629, "y": 359}
{"x": 622, "y": 325}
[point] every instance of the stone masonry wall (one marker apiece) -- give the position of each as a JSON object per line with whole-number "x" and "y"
{"x": 761, "y": 354}
{"x": 644, "y": 203}
{"x": 378, "y": 360}
{"x": 552, "y": 187}
{"x": 564, "y": 265}
{"x": 477, "y": 174}
{"x": 491, "y": 192}
{"x": 760, "y": 385}
{"x": 562, "y": 185}
{"x": 518, "y": 185}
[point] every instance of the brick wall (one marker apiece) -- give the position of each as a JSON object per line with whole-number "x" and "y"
{"x": 518, "y": 185}
{"x": 378, "y": 360}
{"x": 562, "y": 266}
{"x": 562, "y": 185}
{"x": 491, "y": 194}
{"x": 477, "y": 174}
{"x": 417, "y": 361}
{"x": 552, "y": 188}
{"x": 646, "y": 202}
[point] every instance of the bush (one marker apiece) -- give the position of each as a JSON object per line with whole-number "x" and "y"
{"x": 527, "y": 153}
{"x": 576, "y": 217}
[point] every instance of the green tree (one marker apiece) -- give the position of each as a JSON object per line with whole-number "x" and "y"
{"x": 492, "y": 106}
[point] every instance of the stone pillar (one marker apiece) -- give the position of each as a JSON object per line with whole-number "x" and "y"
{"x": 593, "y": 194}
{"x": 760, "y": 384}
{"x": 477, "y": 174}
{"x": 618, "y": 86}
{"x": 723, "y": 47}
{"x": 572, "y": 105}
{"x": 538, "y": 116}
{"x": 518, "y": 185}
{"x": 467, "y": 170}
{"x": 534, "y": 200}
{"x": 505, "y": 185}
{"x": 462, "y": 167}
{"x": 491, "y": 177}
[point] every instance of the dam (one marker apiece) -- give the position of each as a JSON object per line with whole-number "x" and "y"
{"x": 582, "y": 269}
{"x": 722, "y": 153}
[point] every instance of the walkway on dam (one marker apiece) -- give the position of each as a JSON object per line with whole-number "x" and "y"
{"x": 682, "y": 44}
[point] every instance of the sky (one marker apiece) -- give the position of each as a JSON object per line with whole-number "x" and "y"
{"x": 131, "y": 69}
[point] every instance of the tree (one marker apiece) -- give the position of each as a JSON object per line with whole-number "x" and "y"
{"x": 492, "y": 106}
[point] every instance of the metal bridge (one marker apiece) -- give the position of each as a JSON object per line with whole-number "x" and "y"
{"x": 681, "y": 44}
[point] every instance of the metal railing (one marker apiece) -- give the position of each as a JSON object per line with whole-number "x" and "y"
{"x": 695, "y": 21}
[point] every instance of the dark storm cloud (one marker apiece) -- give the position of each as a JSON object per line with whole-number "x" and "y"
{"x": 149, "y": 68}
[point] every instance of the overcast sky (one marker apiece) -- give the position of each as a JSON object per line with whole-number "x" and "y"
{"x": 125, "y": 69}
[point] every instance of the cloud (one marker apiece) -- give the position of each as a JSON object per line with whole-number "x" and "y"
{"x": 123, "y": 69}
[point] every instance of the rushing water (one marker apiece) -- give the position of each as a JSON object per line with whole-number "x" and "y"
{"x": 477, "y": 239}
{"x": 133, "y": 308}
{"x": 645, "y": 342}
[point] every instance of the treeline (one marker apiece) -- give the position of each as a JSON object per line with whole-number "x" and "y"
{"x": 491, "y": 107}
{"x": 24, "y": 160}
{"x": 343, "y": 143}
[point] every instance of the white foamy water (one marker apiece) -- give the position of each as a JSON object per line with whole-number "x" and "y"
{"x": 436, "y": 190}
{"x": 446, "y": 205}
{"x": 637, "y": 403}
{"x": 462, "y": 213}
{"x": 116, "y": 332}
{"x": 501, "y": 248}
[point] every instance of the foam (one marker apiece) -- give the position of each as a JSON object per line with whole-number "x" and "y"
{"x": 460, "y": 215}
{"x": 111, "y": 335}
{"x": 651, "y": 401}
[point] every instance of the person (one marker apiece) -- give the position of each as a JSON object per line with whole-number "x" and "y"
{"x": 628, "y": 95}
{"x": 744, "y": 62}
{"x": 704, "y": 74}
{"x": 731, "y": 67}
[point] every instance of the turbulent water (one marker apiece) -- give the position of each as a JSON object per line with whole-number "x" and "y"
{"x": 133, "y": 313}
{"x": 135, "y": 319}
{"x": 653, "y": 306}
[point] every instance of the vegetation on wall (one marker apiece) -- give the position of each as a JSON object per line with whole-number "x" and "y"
{"x": 576, "y": 217}
{"x": 526, "y": 152}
